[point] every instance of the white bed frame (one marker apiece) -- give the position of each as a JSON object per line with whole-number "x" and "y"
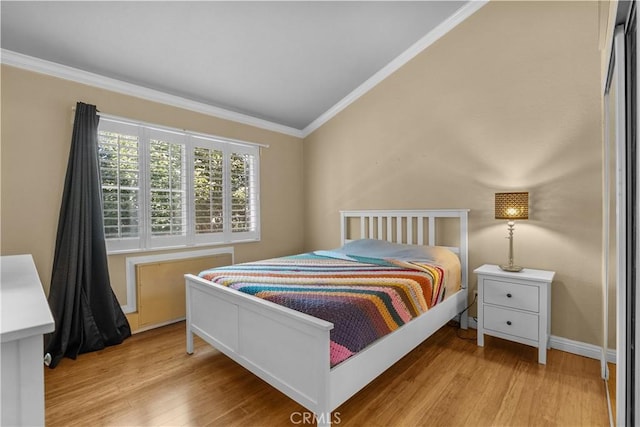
{"x": 290, "y": 350}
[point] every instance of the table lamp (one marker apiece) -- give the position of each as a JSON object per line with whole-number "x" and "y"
{"x": 512, "y": 206}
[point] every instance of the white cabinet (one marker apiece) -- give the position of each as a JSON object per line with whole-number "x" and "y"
{"x": 515, "y": 306}
{"x": 25, "y": 317}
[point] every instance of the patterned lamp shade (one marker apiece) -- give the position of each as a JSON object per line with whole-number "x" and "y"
{"x": 512, "y": 205}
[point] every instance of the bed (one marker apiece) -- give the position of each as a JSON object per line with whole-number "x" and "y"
{"x": 292, "y": 350}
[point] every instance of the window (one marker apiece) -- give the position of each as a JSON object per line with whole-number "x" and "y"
{"x": 165, "y": 188}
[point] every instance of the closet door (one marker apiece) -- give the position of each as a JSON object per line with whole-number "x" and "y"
{"x": 633, "y": 220}
{"x": 614, "y": 215}
{"x": 621, "y": 216}
{"x": 621, "y": 229}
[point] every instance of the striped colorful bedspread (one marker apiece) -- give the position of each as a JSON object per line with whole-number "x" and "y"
{"x": 364, "y": 298}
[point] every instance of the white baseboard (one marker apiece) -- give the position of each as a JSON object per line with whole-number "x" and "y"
{"x": 576, "y": 347}
{"x": 570, "y": 346}
{"x": 157, "y": 325}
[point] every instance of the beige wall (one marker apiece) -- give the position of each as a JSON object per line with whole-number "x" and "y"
{"x": 36, "y": 136}
{"x": 606, "y": 24}
{"x": 508, "y": 100}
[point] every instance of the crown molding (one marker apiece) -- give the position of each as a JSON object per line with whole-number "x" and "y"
{"x": 54, "y": 69}
{"x": 42, "y": 66}
{"x": 460, "y": 15}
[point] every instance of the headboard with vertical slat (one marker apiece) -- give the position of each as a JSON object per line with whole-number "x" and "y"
{"x": 413, "y": 227}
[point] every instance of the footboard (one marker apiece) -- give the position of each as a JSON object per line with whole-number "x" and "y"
{"x": 286, "y": 348}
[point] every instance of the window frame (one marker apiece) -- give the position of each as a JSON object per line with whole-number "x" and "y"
{"x": 146, "y": 241}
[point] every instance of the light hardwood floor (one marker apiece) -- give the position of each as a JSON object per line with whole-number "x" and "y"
{"x": 446, "y": 381}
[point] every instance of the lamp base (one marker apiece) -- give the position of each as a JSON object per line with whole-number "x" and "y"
{"x": 511, "y": 268}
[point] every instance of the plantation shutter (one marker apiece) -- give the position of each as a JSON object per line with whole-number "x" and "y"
{"x": 208, "y": 187}
{"x": 167, "y": 189}
{"x": 119, "y": 162}
{"x": 245, "y": 195}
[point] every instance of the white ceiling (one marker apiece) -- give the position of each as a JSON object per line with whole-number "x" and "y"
{"x": 287, "y": 63}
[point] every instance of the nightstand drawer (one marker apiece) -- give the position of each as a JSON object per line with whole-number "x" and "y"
{"x": 510, "y": 322}
{"x": 513, "y": 295}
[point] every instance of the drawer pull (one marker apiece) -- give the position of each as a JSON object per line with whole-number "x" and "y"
{"x": 508, "y": 295}
{"x": 509, "y": 322}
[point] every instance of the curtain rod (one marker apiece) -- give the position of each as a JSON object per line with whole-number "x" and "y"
{"x": 172, "y": 129}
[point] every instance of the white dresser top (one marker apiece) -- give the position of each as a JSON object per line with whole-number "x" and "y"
{"x": 24, "y": 308}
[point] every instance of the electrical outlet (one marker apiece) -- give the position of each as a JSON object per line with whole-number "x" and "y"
{"x": 475, "y": 293}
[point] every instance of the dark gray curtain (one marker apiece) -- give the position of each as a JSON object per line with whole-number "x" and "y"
{"x": 87, "y": 314}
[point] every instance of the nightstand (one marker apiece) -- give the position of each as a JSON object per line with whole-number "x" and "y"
{"x": 515, "y": 306}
